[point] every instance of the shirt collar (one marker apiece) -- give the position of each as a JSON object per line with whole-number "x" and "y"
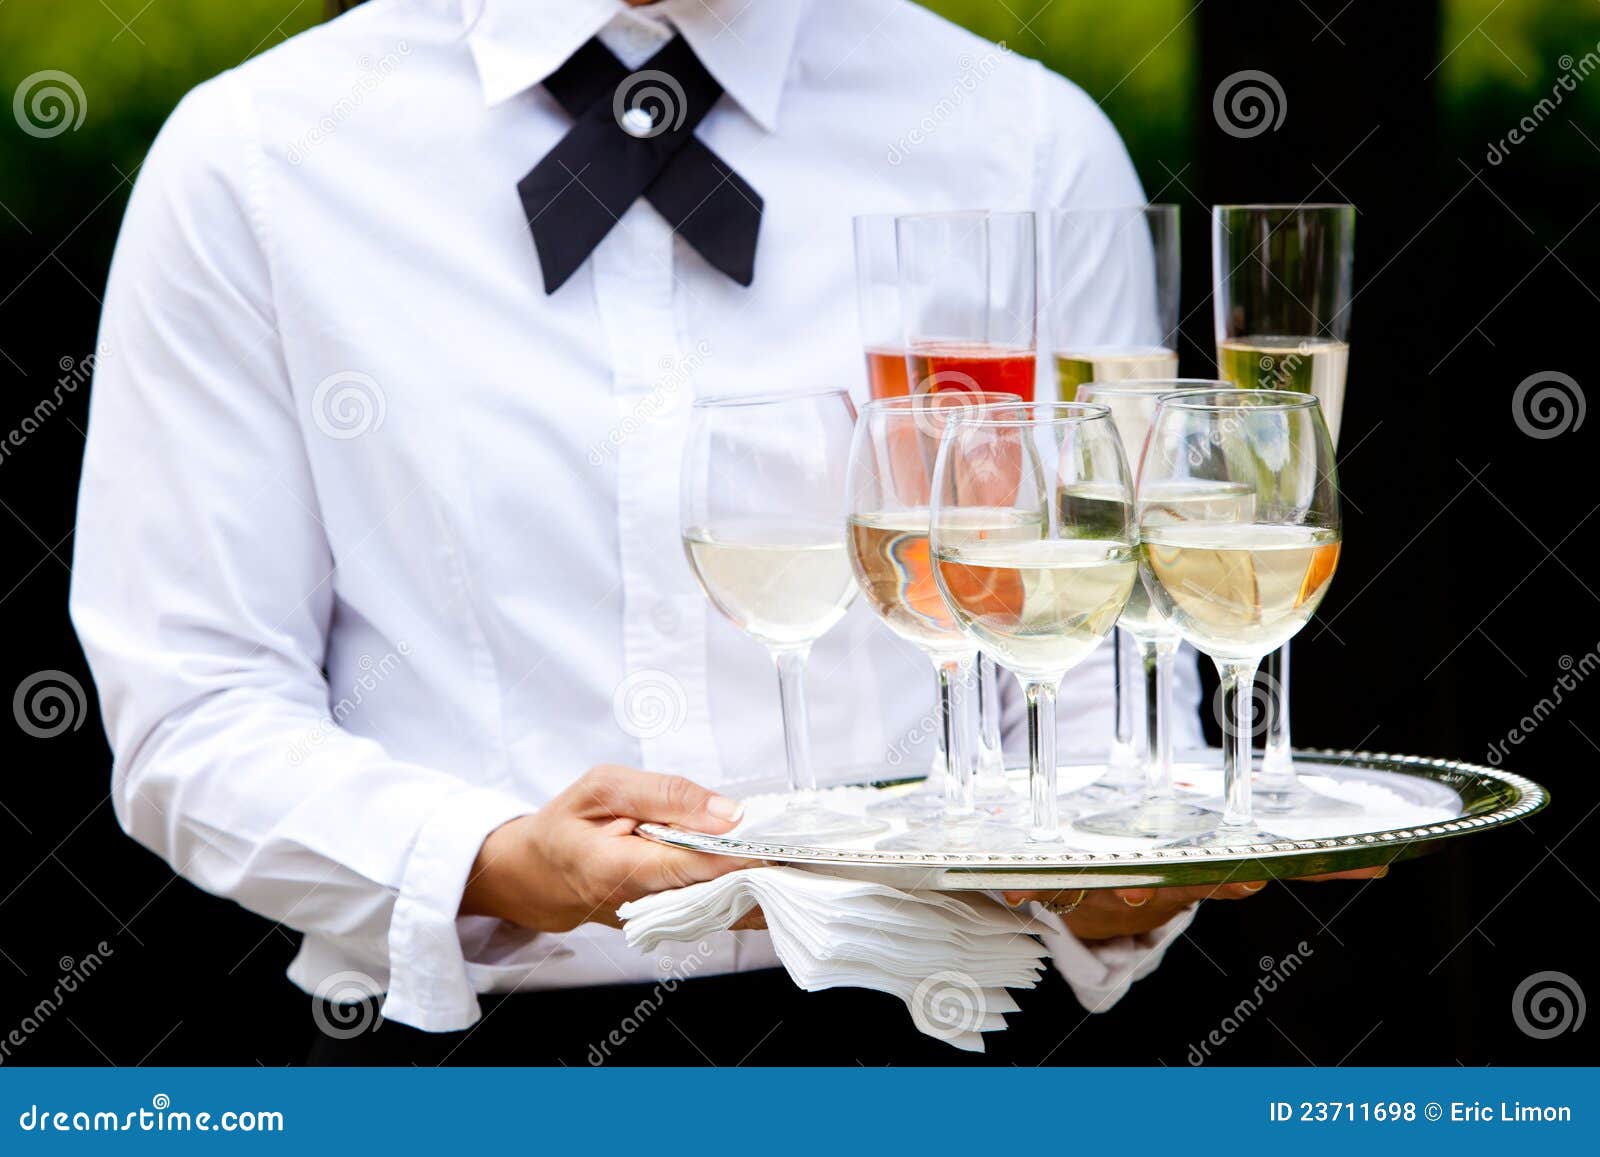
{"x": 745, "y": 44}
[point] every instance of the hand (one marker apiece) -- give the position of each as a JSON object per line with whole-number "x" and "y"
{"x": 578, "y": 858}
{"x": 1104, "y": 914}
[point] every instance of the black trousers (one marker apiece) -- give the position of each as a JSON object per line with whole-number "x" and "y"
{"x": 751, "y": 1018}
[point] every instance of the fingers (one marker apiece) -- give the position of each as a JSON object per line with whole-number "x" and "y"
{"x": 1172, "y": 898}
{"x": 611, "y": 792}
{"x": 661, "y": 868}
{"x": 754, "y": 920}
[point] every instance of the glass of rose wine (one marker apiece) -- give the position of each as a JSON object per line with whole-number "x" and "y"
{"x": 878, "y": 304}
{"x": 968, "y": 308}
{"x": 1281, "y": 277}
{"x": 1159, "y": 813}
{"x": 890, "y": 480}
{"x": 763, "y": 515}
{"x": 1243, "y": 579}
{"x": 1039, "y": 603}
{"x": 1112, "y": 275}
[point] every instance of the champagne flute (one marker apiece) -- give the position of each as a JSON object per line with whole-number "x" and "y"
{"x": 1040, "y": 604}
{"x": 762, "y": 510}
{"x": 1113, "y": 277}
{"x": 890, "y": 476}
{"x": 1159, "y": 813}
{"x": 1240, "y": 583}
{"x": 968, "y": 307}
{"x": 1281, "y": 301}
{"x": 878, "y": 305}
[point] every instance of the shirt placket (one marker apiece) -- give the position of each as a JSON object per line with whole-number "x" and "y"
{"x": 664, "y": 614}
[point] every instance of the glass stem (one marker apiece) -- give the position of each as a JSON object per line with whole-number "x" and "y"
{"x": 991, "y": 761}
{"x": 1277, "y": 766}
{"x": 1156, "y": 656}
{"x": 954, "y": 688}
{"x": 791, "y": 664}
{"x": 1122, "y": 751}
{"x": 1238, "y": 721}
{"x": 1042, "y": 760}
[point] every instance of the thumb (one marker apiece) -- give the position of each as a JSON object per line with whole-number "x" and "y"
{"x": 648, "y": 797}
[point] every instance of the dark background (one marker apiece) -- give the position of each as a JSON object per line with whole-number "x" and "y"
{"x": 1465, "y": 591}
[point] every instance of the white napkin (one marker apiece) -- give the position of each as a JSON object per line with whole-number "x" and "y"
{"x": 949, "y": 958}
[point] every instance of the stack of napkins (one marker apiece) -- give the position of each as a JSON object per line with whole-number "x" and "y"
{"x": 949, "y": 958}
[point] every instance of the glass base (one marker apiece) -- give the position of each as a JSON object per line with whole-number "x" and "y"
{"x": 1155, "y": 818}
{"x": 1229, "y": 837}
{"x": 971, "y": 834}
{"x": 810, "y": 823}
{"x": 1099, "y": 795}
{"x": 1297, "y": 801}
{"x": 923, "y": 803}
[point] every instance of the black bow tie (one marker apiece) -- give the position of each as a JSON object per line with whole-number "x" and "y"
{"x": 635, "y": 135}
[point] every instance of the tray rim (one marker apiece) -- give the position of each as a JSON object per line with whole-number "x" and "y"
{"x": 1513, "y": 797}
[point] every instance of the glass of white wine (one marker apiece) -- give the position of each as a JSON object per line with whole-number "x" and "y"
{"x": 762, "y": 507}
{"x": 1159, "y": 813}
{"x": 891, "y": 474}
{"x": 1242, "y": 581}
{"x": 1113, "y": 277}
{"x": 1281, "y": 278}
{"x": 1039, "y": 604}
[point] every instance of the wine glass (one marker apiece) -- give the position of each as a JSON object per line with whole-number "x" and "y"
{"x": 1281, "y": 301}
{"x": 1159, "y": 813}
{"x": 890, "y": 476}
{"x": 762, "y": 511}
{"x": 968, "y": 307}
{"x": 1040, "y": 604}
{"x": 878, "y": 304}
{"x": 1112, "y": 275}
{"x": 1239, "y": 583}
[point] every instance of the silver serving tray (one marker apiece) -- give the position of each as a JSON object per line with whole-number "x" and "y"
{"x": 1485, "y": 798}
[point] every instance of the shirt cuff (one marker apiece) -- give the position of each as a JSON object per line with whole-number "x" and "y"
{"x": 428, "y": 984}
{"x": 1100, "y": 973}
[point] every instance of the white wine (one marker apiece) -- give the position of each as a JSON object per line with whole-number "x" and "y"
{"x": 1112, "y": 364}
{"x": 784, "y": 585}
{"x": 1040, "y": 606}
{"x": 1177, "y": 501}
{"x": 889, "y": 552}
{"x": 1306, "y": 365}
{"x": 1239, "y": 590}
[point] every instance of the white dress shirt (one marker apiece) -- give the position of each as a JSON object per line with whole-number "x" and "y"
{"x": 378, "y": 544}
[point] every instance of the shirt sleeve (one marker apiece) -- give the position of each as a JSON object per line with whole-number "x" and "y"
{"x": 203, "y": 588}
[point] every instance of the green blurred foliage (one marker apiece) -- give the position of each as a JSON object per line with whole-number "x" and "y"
{"x": 1136, "y": 57}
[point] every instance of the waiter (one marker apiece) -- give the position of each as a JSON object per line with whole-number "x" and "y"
{"x": 378, "y": 564}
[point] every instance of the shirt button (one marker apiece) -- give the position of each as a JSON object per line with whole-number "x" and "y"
{"x": 637, "y": 122}
{"x": 665, "y": 617}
